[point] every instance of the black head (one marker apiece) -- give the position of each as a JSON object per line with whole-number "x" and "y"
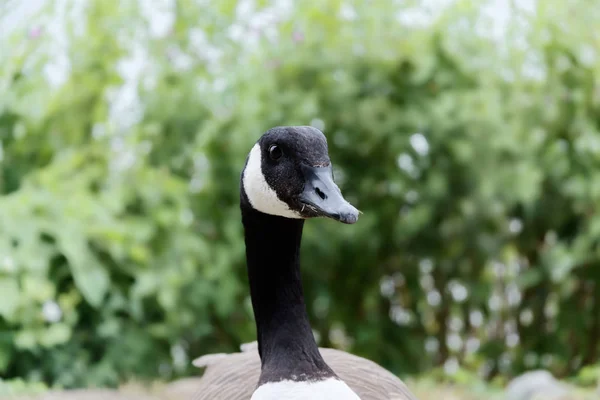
{"x": 288, "y": 173}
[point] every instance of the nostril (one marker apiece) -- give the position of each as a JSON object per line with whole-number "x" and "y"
{"x": 322, "y": 195}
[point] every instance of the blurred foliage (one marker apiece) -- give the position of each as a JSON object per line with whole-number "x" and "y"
{"x": 475, "y": 159}
{"x": 19, "y": 386}
{"x": 589, "y": 376}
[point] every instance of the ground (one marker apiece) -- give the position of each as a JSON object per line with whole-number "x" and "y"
{"x": 184, "y": 389}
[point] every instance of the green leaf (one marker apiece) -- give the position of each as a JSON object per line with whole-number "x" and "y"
{"x": 26, "y": 339}
{"x": 5, "y": 355}
{"x": 89, "y": 275}
{"x": 9, "y": 288}
{"x": 56, "y": 334}
{"x": 529, "y": 278}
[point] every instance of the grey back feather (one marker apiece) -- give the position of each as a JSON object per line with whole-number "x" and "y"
{"x": 234, "y": 376}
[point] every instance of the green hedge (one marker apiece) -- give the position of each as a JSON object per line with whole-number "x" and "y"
{"x": 474, "y": 159}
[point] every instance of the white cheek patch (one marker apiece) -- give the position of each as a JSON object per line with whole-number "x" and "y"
{"x": 321, "y": 390}
{"x": 261, "y": 196}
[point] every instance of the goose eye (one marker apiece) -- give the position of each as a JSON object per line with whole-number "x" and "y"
{"x": 275, "y": 152}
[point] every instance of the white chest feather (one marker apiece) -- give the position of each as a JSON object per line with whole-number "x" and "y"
{"x": 262, "y": 197}
{"x": 290, "y": 390}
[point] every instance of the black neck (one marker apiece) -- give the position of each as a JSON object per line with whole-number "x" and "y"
{"x": 286, "y": 344}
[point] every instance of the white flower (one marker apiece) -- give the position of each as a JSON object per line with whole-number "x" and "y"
{"x": 51, "y": 311}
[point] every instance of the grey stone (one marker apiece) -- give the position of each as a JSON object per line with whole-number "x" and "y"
{"x": 535, "y": 385}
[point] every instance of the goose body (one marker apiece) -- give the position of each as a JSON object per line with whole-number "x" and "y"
{"x": 286, "y": 180}
{"x": 233, "y": 376}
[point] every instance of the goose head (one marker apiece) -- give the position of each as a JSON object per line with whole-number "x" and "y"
{"x": 288, "y": 173}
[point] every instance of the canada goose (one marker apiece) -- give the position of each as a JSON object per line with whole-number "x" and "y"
{"x": 288, "y": 178}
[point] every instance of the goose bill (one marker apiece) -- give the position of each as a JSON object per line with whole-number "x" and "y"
{"x": 324, "y": 197}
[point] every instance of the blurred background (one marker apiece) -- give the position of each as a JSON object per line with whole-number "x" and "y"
{"x": 468, "y": 132}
